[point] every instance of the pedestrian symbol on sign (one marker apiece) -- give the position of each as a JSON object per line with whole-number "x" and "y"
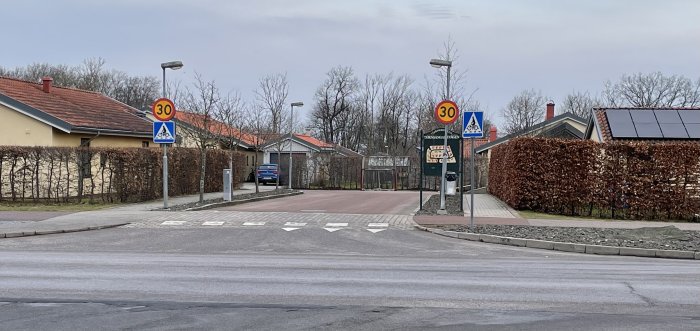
{"x": 163, "y": 132}
{"x": 473, "y": 126}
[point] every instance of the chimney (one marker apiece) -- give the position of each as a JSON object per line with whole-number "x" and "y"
{"x": 550, "y": 111}
{"x": 47, "y": 84}
{"x": 493, "y": 133}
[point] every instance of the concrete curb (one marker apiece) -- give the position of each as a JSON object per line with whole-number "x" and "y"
{"x": 238, "y": 202}
{"x": 55, "y": 231}
{"x": 566, "y": 247}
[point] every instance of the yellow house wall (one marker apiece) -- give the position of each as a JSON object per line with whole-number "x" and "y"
{"x": 61, "y": 139}
{"x": 18, "y": 129}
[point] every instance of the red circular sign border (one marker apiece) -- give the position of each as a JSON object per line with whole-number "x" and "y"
{"x": 438, "y": 107}
{"x": 153, "y": 109}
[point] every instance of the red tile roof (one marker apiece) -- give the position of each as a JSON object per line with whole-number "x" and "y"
{"x": 216, "y": 127}
{"x": 604, "y": 126}
{"x": 79, "y": 108}
{"x": 313, "y": 141}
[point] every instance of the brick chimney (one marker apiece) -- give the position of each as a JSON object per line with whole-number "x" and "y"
{"x": 47, "y": 84}
{"x": 550, "y": 111}
{"x": 493, "y": 133}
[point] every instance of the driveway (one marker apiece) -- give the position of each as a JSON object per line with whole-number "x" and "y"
{"x": 339, "y": 202}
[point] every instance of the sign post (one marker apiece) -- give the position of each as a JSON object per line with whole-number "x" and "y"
{"x": 472, "y": 127}
{"x": 446, "y": 112}
{"x": 164, "y": 133}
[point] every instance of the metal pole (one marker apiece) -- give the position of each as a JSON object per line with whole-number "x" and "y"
{"x": 461, "y": 174}
{"x": 420, "y": 163}
{"x": 291, "y": 129}
{"x": 444, "y": 154}
{"x": 471, "y": 186}
{"x": 165, "y": 161}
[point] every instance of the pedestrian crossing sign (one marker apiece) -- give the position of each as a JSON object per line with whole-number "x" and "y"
{"x": 164, "y": 132}
{"x": 473, "y": 124}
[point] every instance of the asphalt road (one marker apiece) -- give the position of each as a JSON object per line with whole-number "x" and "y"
{"x": 269, "y": 279}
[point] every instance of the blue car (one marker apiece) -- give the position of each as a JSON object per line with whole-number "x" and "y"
{"x": 267, "y": 173}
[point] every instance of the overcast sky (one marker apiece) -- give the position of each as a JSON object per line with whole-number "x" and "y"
{"x": 556, "y": 46}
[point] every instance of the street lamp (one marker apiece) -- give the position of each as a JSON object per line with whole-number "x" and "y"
{"x": 291, "y": 130}
{"x": 437, "y": 63}
{"x": 173, "y": 65}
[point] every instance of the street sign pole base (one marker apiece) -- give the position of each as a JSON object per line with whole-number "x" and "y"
{"x": 442, "y": 212}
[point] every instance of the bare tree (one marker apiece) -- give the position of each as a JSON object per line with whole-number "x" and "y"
{"x": 652, "y": 90}
{"x": 334, "y": 100}
{"x": 258, "y": 123}
{"x": 524, "y": 111}
{"x": 203, "y": 102}
{"x": 272, "y": 94}
{"x": 579, "y": 104}
{"x": 230, "y": 113}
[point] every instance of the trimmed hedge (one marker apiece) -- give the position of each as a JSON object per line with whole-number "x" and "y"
{"x": 635, "y": 180}
{"x": 109, "y": 174}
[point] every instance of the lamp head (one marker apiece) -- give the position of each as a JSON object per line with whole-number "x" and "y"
{"x": 297, "y": 104}
{"x": 174, "y": 65}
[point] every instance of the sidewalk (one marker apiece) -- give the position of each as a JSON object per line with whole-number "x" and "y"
{"x": 106, "y": 218}
{"x": 489, "y": 210}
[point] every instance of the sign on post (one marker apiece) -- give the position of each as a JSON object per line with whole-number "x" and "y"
{"x": 432, "y": 147}
{"x": 473, "y": 124}
{"x": 163, "y": 110}
{"x": 164, "y": 132}
{"x": 446, "y": 112}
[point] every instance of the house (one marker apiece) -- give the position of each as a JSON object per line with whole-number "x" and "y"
{"x": 40, "y": 114}
{"x": 308, "y": 152}
{"x": 648, "y": 124}
{"x": 566, "y": 126}
{"x": 222, "y": 136}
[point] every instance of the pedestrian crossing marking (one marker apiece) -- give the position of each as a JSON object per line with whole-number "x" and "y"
{"x": 213, "y": 223}
{"x": 375, "y": 230}
{"x": 378, "y": 225}
{"x": 173, "y": 223}
{"x": 254, "y": 223}
{"x": 335, "y": 225}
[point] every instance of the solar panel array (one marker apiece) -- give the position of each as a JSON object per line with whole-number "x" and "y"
{"x": 654, "y": 124}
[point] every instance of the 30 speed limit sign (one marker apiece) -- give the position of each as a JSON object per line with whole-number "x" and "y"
{"x": 163, "y": 110}
{"x": 446, "y": 112}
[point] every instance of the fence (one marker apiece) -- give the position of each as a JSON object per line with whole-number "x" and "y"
{"x": 126, "y": 174}
{"x": 620, "y": 180}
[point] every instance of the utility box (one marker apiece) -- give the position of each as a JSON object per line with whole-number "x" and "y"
{"x": 450, "y": 183}
{"x": 227, "y": 184}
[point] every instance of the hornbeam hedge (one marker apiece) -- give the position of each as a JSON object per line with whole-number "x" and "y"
{"x": 33, "y": 174}
{"x": 636, "y": 180}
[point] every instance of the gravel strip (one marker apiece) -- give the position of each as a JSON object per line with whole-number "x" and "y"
{"x": 234, "y": 198}
{"x": 668, "y": 237}
{"x": 431, "y": 206}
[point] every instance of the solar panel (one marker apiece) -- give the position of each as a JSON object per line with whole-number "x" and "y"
{"x": 673, "y": 130}
{"x": 648, "y": 130}
{"x": 667, "y": 116}
{"x": 693, "y": 130}
{"x": 690, "y": 116}
{"x": 621, "y": 125}
{"x": 643, "y": 116}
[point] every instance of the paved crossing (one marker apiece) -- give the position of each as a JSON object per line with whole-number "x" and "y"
{"x": 287, "y": 221}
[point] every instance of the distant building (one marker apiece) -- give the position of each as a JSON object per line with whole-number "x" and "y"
{"x": 40, "y": 114}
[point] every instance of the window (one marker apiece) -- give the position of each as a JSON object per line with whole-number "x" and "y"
{"x": 144, "y": 143}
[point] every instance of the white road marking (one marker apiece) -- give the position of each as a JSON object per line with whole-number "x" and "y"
{"x": 312, "y": 210}
{"x": 332, "y": 229}
{"x": 335, "y": 225}
{"x": 213, "y": 223}
{"x": 173, "y": 223}
{"x": 375, "y": 230}
{"x": 294, "y": 224}
{"x": 377, "y": 225}
{"x": 254, "y": 223}
{"x": 290, "y": 229}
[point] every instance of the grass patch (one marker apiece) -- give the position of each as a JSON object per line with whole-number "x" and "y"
{"x": 76, "y": 207}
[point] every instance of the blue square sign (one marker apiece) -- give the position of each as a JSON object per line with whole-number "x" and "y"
{"x": 164, "y": 132}
{"x": 473, "y": 124}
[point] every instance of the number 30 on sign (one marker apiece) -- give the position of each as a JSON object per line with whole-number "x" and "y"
{"x": 446, "y": 112}
{"x": 163, "y": 110}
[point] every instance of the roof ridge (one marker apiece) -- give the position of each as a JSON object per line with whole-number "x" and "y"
{"x": 52, "y": 86}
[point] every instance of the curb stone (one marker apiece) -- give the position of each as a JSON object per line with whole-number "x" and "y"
{"x": 669, "y": 254}
{"x": 238, "y": 202}
{"x": 565, "y": 247}
{"x": 44, "y": 232}
{"x": 642, "y": 252}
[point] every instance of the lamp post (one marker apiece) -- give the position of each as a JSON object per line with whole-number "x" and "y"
{"x": 173, "y": 65}
{"x": 291, "y": 133}
{"x": 436, "y": 63}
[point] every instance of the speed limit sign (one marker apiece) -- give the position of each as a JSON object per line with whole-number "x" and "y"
{"x": 446, "y": 112}
{"x": 163, "y": 110}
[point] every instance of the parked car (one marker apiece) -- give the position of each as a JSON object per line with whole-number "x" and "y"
{"x": 267, "y": 173}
